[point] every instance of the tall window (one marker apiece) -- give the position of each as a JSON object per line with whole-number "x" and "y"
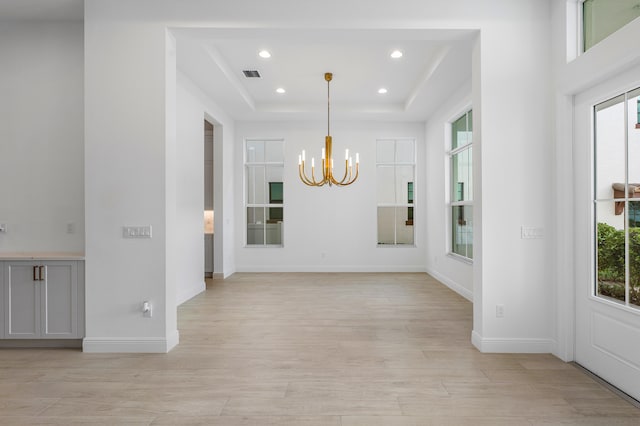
{"x": 264, "y": 166}
{"x": 395, "y": 174}
{"x": 601, "y": 18}
{"x": 616, "y": 197}
{"x": 461, "y": 161}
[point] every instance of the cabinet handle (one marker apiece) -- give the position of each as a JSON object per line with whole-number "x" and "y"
{"x": 35, "y": 273}
{"x": 41, "y": 269}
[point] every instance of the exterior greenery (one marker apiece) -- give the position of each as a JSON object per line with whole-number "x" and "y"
{"x": 611, "y": 263}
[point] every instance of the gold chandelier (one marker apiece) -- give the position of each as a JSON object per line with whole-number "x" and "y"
{"x": 327, "y": 158}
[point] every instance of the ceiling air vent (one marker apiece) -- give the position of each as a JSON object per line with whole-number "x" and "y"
{"x": 251, "y": 73}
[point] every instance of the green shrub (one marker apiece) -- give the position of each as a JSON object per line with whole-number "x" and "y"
{"x": 611, "y": 262}
{"x": 616, "y": 291}
{"x": 610, "y": 253}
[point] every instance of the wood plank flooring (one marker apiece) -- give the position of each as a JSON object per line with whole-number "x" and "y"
{"x": 309, "y": 350}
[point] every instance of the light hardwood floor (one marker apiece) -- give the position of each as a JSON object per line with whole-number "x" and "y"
{"x": 309, "y": 349}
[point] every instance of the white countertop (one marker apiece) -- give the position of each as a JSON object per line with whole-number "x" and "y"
{"x": 41, "y": 256}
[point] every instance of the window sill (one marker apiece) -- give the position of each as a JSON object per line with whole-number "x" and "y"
{"x": 460, "y": 258}
{"x": 396, "y": 245}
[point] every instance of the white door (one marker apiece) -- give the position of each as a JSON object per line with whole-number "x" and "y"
{"x": 607, "y": 231}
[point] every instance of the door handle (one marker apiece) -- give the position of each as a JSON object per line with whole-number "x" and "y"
{"x": 35, "y": 273}
{"x": 40, "y": 270}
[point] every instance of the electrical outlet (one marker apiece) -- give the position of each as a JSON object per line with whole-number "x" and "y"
{"x": 499, "y": 311}
{"x": 71, "y": 228}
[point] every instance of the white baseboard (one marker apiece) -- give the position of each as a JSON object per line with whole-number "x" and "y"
{"x": 331, "y": 268}
{"x": 511, "y": 345}
{"x": 458, "y": 288}
{"x": 185, "y": 294}
{"x": 130, "y": 344}
{"x": 218, "y": 276}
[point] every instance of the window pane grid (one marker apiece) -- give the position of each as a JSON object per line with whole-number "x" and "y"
{"x": 461, "y": 186}
{"x": 617, "y": 201}
{"x": 264, "y": 170}
{"x": 395, "y": 161}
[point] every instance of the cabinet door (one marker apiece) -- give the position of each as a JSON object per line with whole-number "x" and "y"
{"x": 21, "y": 301}
{"x": 59, "y": 300}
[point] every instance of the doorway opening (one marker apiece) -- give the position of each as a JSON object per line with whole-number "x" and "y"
{"x": 208, "y": 200}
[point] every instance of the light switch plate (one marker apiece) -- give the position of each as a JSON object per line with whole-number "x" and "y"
{"x": 136, "y": 231}
{"x": 530, "y": 232}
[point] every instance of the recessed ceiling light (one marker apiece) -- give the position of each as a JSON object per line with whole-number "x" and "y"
{"x": 382, "y": 90}
{"x": 396, "y": 54}
{"x": 264, "y": 54}
{"x": 280, "y": 90}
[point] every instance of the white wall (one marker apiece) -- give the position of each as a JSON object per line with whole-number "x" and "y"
{"x": 330, "y": 228}
{"x": 130, "y": 180}
{"x": 452, "y": 271}
{"x": 41, "y": 136}
{"x": 513, "y": 146}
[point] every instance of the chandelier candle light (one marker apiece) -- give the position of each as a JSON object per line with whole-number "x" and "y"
{"x": 327, "y": 158}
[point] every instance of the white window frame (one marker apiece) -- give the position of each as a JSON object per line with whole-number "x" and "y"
{"x": 247, "y": 205}
{"x": 407, "y": 204}
{"x": 451, "y": 203}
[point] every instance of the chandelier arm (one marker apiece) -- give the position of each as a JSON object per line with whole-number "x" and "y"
{"x": 352, "y": 180}
{"x": 303, "y": 176}
{"x": 346, "y": 174}
{"x": 356, "y": 175}
{"x": 306, "y": 180}
{"x": 313, "y": 177}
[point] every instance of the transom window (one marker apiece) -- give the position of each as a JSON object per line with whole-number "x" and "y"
{"x": 601, "y": 18}
{"x": 264, "y": 166}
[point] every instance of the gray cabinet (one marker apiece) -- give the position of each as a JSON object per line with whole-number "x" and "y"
{"x": 43, "y": 299}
